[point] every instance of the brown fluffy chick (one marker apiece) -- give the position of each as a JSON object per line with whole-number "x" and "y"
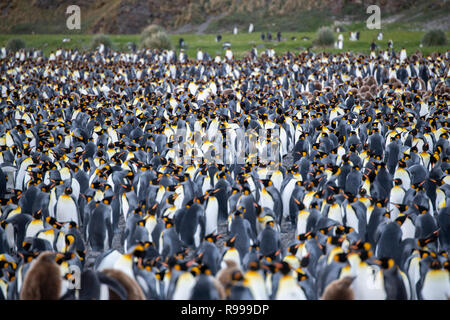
{"x": 43, "y": 280}
{"x": 225, "y": 274}
{"x": 133, "y": 289}
{"x": 339, "y": 290}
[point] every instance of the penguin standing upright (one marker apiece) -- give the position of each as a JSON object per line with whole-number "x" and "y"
{"x": 288, "y": 287}
{"x": 169, "y": 242}
{"x": 241, "y": 230}
{"x": 184, "y": 283}
{"x": 389, "y": 243}
{"x": 255, "y": 281}
{"x": 192, "y": 225}
{"x": 394, "y": 284}
{"x": 210, "y": 254}
{"x": 237, "y": 290}
{"x": 211, "y": 214}
{"x": 269, "y": 239}
{"x": 206, "y": 287}
{"x": 99, "y": 231}
{"x": 222, "y": 189}
{"x": 436, "y": 285}
{"x": 287, "y": 190}
{"x": 271, "y": 198}
{"x": 231, "y": 254}
{"x": 66, "y": 207}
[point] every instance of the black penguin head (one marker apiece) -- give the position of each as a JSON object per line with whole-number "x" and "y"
{"x": 38, "y": 214}
{"x": 335, "y": 240}
{"x": 63, "y": 257}
{"x": 420, "y": 209}
{"x": 306, "y": 236}
{"x": 343, "y": 230}
{"x": 52, "y": 221}
{"x": 237, "y": 276}
{"x": 183, "y": 265}
{"x": 340, "y": 257}
{"x": 212, "y": 237}
{"x": 254, "y": 265}
{"x": 168, "y": 223}
{"x": 350, "y": 197}
{"x": 283, "y": 267}
{"x": 293, "y": 249}
{"x": 423, "y": 242}
{"x": 204, "y": 269}
{"x": 436, "y": 265}
{"x": 385, "y": 263}
{"x": 266, "y": 182}
{"x": 401, "y": 219}
{"x": 230, "y": 243}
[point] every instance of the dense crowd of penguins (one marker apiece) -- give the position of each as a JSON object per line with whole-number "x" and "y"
{"x": 360, "y": 177}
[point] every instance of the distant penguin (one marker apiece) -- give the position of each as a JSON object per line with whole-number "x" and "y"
{"x": 241, "y": 230}
{"x": 269, "y": 239}
{"x": 211, "y": 214}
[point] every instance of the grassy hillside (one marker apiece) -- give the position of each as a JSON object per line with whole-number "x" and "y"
{"x": 211, "y": 16}
{"x": 241, "y": 43}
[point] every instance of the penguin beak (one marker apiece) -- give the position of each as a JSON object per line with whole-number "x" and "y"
{"x": 378, "y": 262}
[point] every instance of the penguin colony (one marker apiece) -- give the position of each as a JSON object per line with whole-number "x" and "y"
{"x": 88, "y": 143}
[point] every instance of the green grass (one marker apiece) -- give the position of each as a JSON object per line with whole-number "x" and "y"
{"x": 241, "y": 43}
{"x": 300, "y": 21}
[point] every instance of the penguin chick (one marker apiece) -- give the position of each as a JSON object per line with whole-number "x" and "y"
{"x": 225, "y": 274}
{"x": 131, "y": 286}
{"x": 43, "y": 281}
{"x": 339, "y": 290}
